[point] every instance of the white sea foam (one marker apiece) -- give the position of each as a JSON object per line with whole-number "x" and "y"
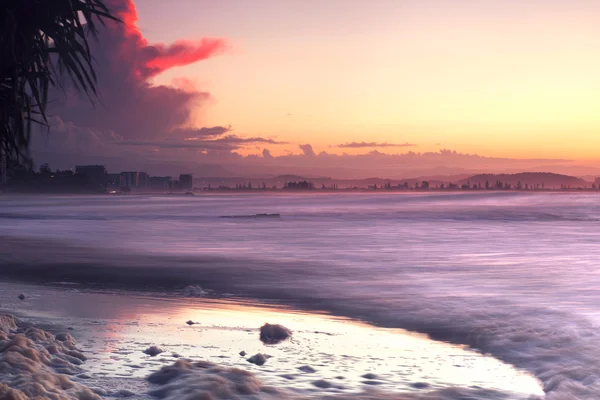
{"x": 187, "y": 380}
{"x": 36, "y": 364}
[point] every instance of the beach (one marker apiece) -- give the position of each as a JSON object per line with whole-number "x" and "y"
{"x": 440, "y": 295}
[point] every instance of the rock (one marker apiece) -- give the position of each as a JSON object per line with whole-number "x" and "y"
{"x": 22, "y": 296}
{"x": 370, "y": 376}
{"x": 176, "y": 355}
{"x": 190, "y": 322}
{"x": 274, "y": 333}
{"x": 99, "y": 391}
{"x": 153, "y": 351}
{"x": 242, "y": 353}
{"x": 372, "y": 383}
{"x": 258, "y": 359}
{"x": 125, "y": 393}
{"x": 308, "y": 369}
{"x": 420, "y": 385}
{"x": 322, "y": 383}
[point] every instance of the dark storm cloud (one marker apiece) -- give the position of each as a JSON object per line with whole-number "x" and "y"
{"x": 128, "y": 103}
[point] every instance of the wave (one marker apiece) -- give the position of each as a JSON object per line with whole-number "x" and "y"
{"x": 471, "y": 215}
{"x": 253, "y": 216}
{"x": 559, "y": 347}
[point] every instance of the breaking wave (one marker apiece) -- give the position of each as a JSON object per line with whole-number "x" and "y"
{"x": 559, "y": 348}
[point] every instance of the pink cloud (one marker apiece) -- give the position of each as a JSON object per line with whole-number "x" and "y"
{"x": 156, "y": 58}
{"x": 128, "y": 103}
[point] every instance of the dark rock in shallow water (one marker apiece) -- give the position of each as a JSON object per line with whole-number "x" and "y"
{"x": 153, "y": 351}
{"x": 99, "y": 391}
{"x": 370, "y": 376}
{"x": 420, "y": 385}
{"x": 322, "y": 383}
{"x": 124, "y": 393}
{"x": 308, "y": 369}
{"x": 190, "y": 322}
{"x": 372, "y": 383}
{"x": 22, "y": 296}
{"x": 274, "y": 333}
{"x": 242, "y": 353}
{"x": 258, "y": 359}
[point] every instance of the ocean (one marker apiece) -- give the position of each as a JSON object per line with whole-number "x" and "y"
{"x": 513, "y": 276}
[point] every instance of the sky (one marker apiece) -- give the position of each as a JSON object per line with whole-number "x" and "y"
{"x": 274, "y": 79}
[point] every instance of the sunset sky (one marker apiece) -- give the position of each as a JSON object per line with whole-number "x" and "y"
{"x": 301, "y": 83}
{"x": 498, "y": 78}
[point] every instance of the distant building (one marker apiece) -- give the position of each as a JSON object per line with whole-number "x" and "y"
{"x": 113, "y": 180}
{"x": 95, "y": 174}
{"x": 129, "y": 180}
{"x": 91, "y": 171}
{"x": 186, "y": 181}
{"x": 134, "y": 180}
{"x": 142, "y": 180}
{"x": 304, "y": 185}
{"x": 159, "y": 183}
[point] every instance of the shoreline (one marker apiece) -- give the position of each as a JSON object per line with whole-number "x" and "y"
{"x": 256, "y": 192}
{"x": 215, "y": 340}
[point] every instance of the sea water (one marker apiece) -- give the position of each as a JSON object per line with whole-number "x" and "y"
{"x": 511, "y": 275}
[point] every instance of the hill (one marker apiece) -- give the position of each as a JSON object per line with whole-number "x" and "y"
{"x": 546, "y": 180}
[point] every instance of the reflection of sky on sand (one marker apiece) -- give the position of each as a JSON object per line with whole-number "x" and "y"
{"x": 114, "y": 329}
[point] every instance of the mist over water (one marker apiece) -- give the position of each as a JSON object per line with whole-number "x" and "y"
{"x": 514, "y": 275}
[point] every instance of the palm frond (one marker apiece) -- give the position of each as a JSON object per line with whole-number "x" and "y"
{"x": 36, "y": 36}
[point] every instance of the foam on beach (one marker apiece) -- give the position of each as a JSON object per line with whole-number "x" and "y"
{"x": 36, "y": 364}
{"x": 204, "y": 380}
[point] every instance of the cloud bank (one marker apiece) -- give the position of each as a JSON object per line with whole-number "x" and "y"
{"x": 360, "y": 145}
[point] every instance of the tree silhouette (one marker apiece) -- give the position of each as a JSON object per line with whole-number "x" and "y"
{"x": 41, "y": 40}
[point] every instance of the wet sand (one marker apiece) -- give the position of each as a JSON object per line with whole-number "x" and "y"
{"x": 114, "y": 328}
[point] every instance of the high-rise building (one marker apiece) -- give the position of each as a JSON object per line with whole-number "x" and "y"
{"x": 159, "y": 182}
{"x": 186, "y": 181}
{"x": 134, "y": 180}
{"x": 129, "y": 179}
{"x": 95, "y": 174}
